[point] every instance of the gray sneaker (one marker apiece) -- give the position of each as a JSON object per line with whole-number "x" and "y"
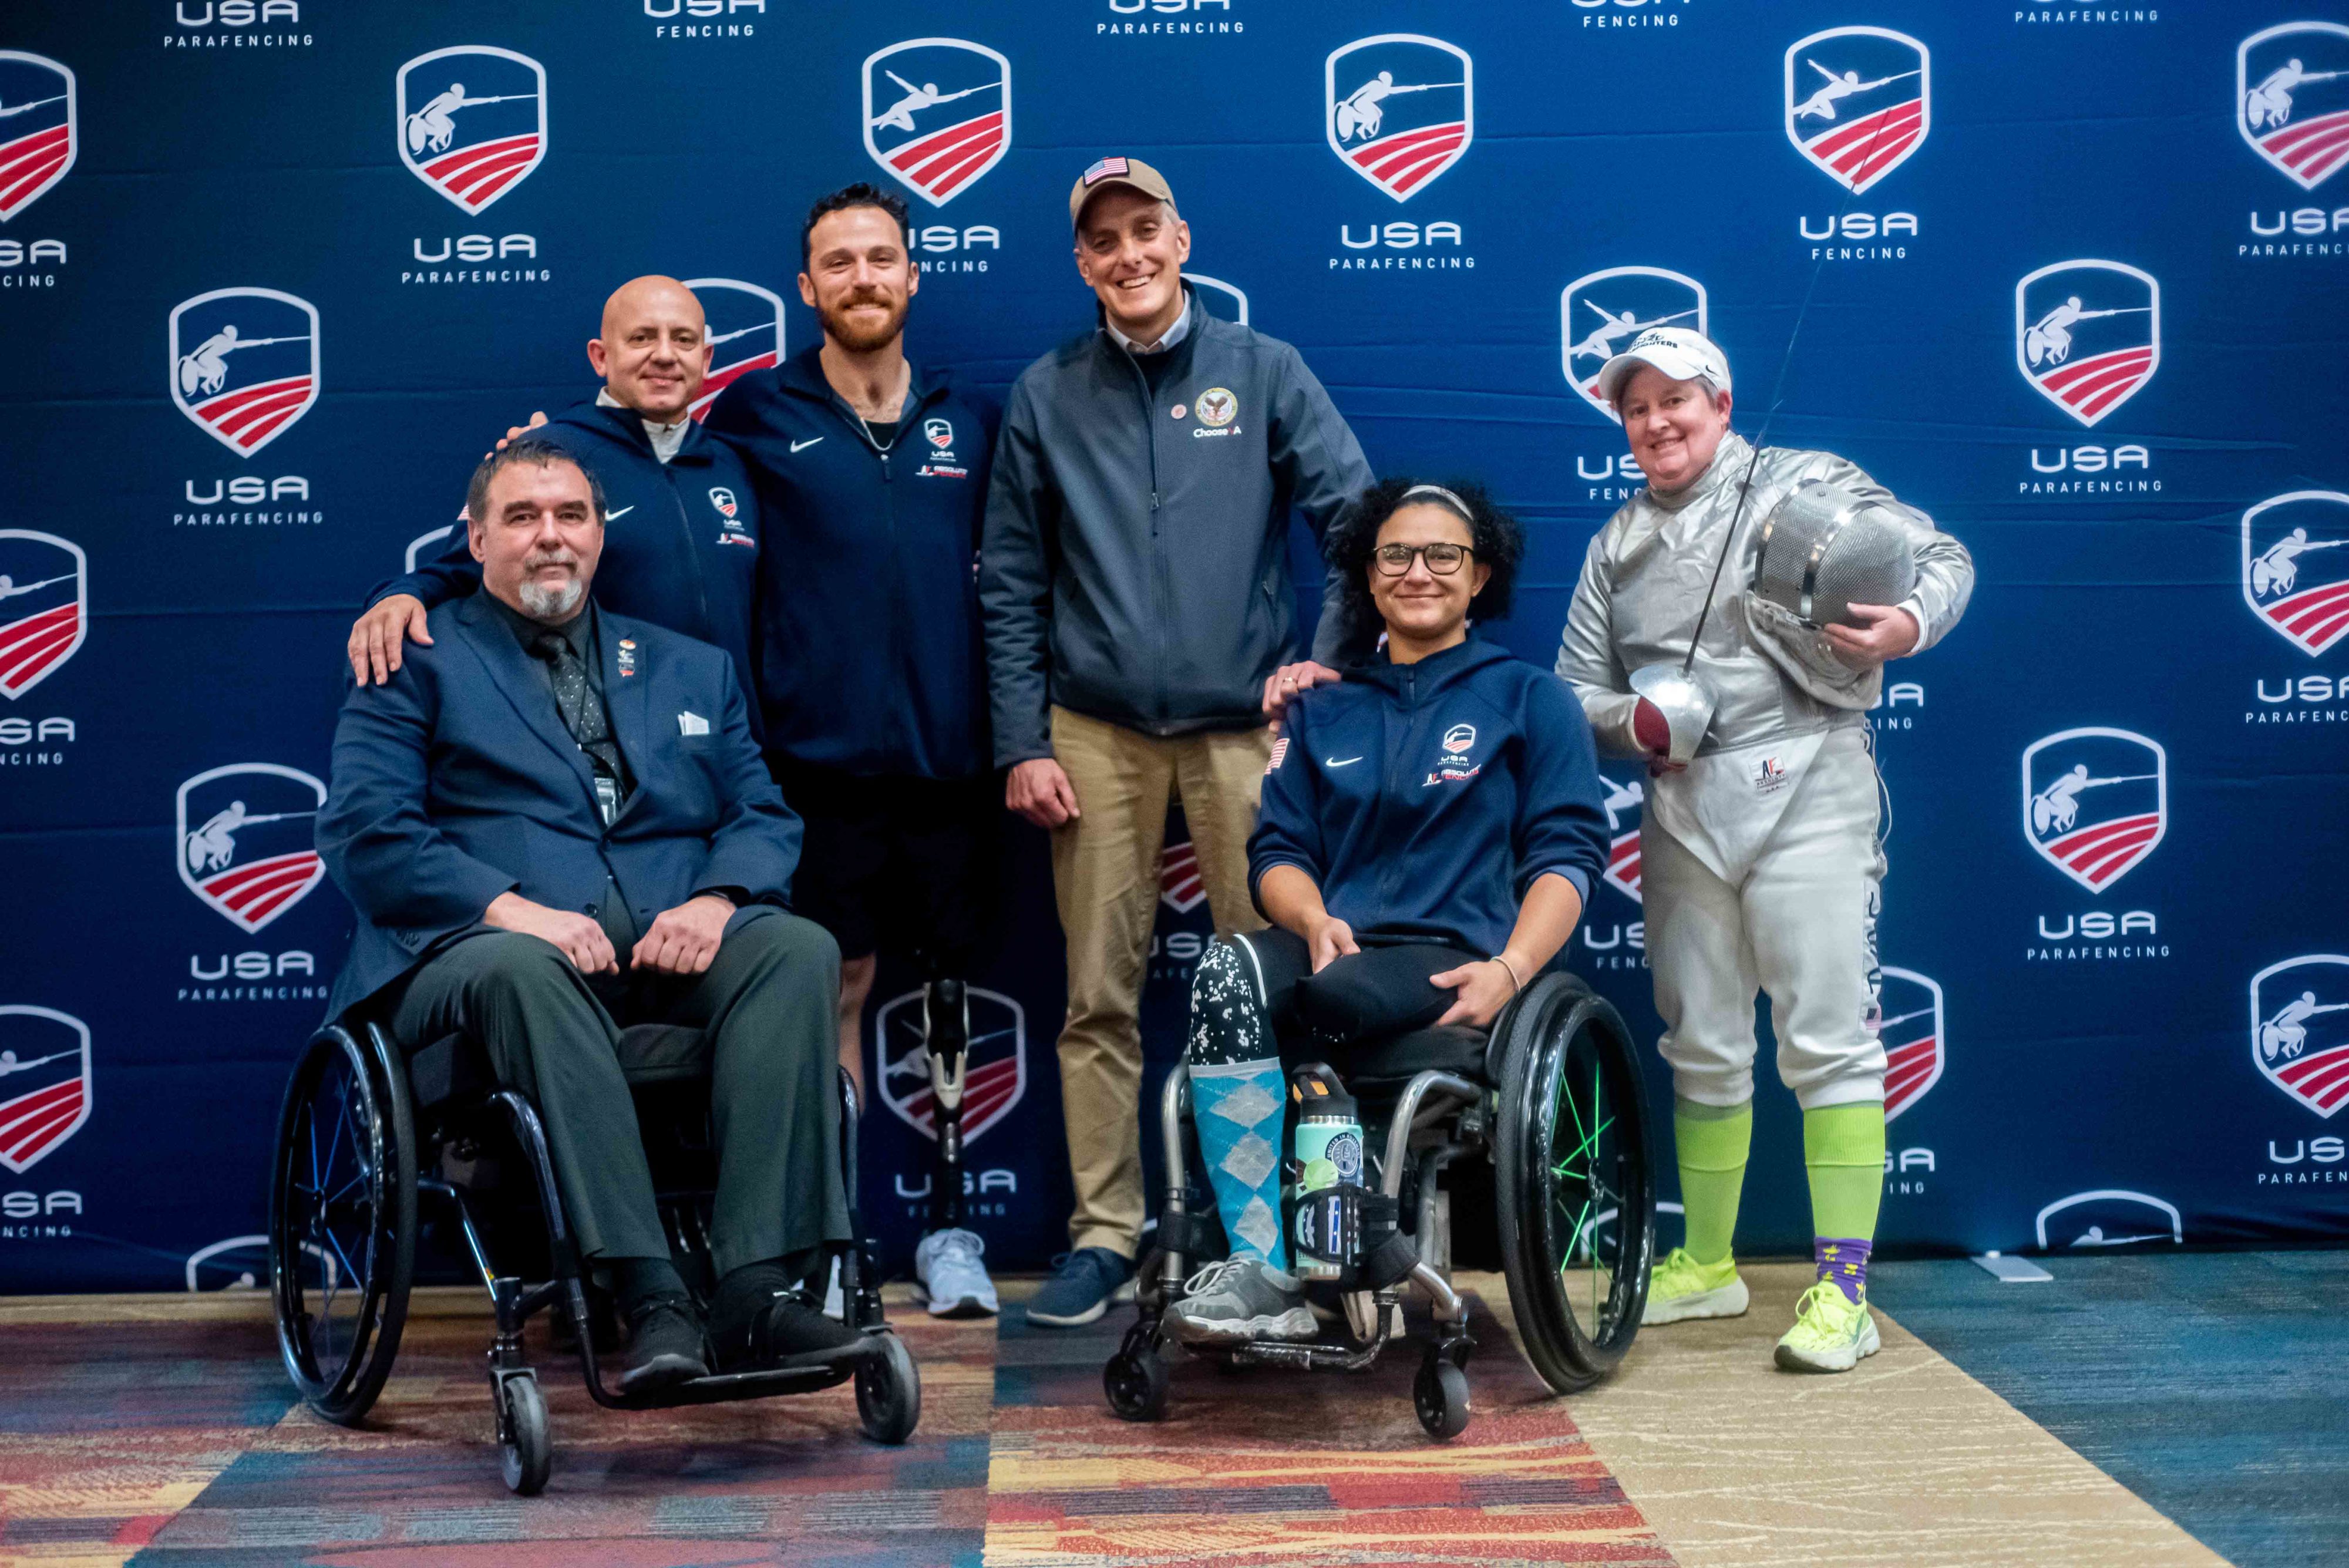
{"x": 1241, "y": 1299}
{"x": 953, "y": 1279}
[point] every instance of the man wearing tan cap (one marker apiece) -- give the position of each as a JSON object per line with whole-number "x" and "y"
{"x": 1134, "y": 583}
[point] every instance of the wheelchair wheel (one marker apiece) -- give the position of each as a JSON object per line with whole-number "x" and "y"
{"x": 889, "y": 1392}
{"x": 1439, "y": 1396}
{"x": 1577, "y": 1204}
{"x": 525, "y": 1449}
{"x": 1135, "y": 1381}
{"x": 342, "y": 1223}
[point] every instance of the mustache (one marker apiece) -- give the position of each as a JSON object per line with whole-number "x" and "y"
{"x": 550, "y": 559}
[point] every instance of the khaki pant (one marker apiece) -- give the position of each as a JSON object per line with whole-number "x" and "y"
{"x": 1105, "y": 879}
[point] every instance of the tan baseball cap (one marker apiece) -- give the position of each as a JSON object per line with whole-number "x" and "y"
{"x": 1117, "y": 170}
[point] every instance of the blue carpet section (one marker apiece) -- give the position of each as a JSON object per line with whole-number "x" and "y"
{"x": 2211, "y": 1385}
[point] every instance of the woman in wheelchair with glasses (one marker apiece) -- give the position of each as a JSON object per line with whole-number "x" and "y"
{"x": 1430, "y": 828}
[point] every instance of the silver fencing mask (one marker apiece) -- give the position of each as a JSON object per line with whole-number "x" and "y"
{"x": 1820, "y": 551}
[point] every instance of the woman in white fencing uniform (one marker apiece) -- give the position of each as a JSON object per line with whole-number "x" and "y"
{"x": 1760, "y": 861}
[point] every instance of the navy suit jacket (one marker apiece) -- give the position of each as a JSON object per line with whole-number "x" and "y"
{"x": 456, "y": 781}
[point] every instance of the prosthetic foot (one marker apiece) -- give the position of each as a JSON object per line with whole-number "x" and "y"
{"x": 947, "y": 1263}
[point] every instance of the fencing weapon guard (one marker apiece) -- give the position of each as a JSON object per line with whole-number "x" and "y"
{"x": 1684, "y": 699}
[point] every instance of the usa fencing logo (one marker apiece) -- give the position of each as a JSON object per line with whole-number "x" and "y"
{"x": 2291, "y": 98}
{"x": 1623, "y": 807}
{"x": 244, "y": 364}
{"x": 937, "y": 114}
{"x": 44, "y": 607}
{"x": 746, "y": 333}
{"x": 2300, "y": 1029}
{"x": 472, "y": 121}
{"x": 1601, "y": 313}
{"x": 2087, "y": 335}
{"x": 994, "y": 1063}
{"x": 1859, "y": 102}
{"x": 1399, "y": 110}
{"x": 2290, "y": 579}
{"x": 247, "y": 840}
{"x": 2108, "y": 1216}
{"x": 2095, "y": 802}
{"x": 1912, "y": 1036}
{"x": 44, "y": 1091}
{"x": 39, "y": 136}
{"x": 1179, "y": 884}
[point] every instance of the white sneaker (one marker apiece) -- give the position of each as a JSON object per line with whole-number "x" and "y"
{"x": 836, "y": 1305}
{"x": 953, "y": 1279}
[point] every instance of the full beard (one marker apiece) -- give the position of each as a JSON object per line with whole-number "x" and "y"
{"x": 852, "y": 335}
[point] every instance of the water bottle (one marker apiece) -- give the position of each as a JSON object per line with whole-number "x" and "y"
{"x": 1328, "y": 1153}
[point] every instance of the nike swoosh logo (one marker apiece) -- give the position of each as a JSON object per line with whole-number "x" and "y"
{"x": 623, "y": 511}
{"x": 804, "y": 445}
{"x": 1334, "y": 762}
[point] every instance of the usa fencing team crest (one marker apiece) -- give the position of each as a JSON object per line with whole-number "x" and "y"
{"x": 44, "y": 1091}
{"x": 2095, "y": 802}
{"x": 1623, "y": 809}
{"x": 1912, "y": 1034}
{"x": 1601, "y": 313}
{"x": 2300, "y": 1029}
{"x": 2087, "y": 335}
{"x": 471, "y": 121}
{"x": 44, "y": 607}
{"x": 746, "y": 333}
{"x": 995, "y": 1070}
{"x": 2291, "y": 98}
{"x": 247, "y": 840}
{"x": 1399, "y": 110}
{"x": 1859, "y": 102}
{"x": 2108, "y": 1216}
{"x": 244, "y": 364}
{"x": 2291, "y": 579}
{"x": 1179, "y": 886}
{"x": 38, "y": 134}
{"x": 937, "y": 114}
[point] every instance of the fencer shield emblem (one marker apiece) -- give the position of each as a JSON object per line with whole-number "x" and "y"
{"x": 1601, "y": 313}
{"x": 2108, "y": 1216}
{"x": 39, "y": 135}
{"x": 2300, "y": 1029}
{"x": 1859, "y": 102}
{"x": 1623, "y": 812}
{"x": 1180, "y": 887}
{"x": 1912, "y": 1034}
{"x": 1219, "y": 298}
{"x": 746, "y": 333}
{"x": 431, "y": 543}
{"x": 244, "y": 364}
{"x": 45, "y": 1086}
{"x": 993, "y": 1082}
{"x": 2292, "y": 578}
{"x": 1400, "y": 108}
{"x": 2291, "y": 98}
{"x": 247, "y": 840}
{"x": 242, "y": 1263}
{"x": 2087, "y": 335}
{"x": 44, "y": 607}
{"x": 2096, "y": 803}
{"x": 937, "y": 114}
{"x": 471, "y": 121}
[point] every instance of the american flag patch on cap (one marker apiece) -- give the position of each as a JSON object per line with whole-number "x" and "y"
{"x": 1279, "y": 750}
{"x": 1104, "y": 169}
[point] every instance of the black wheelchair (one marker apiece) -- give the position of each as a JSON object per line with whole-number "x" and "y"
{"x": 1552, "y": 1096}
{"x": 366, "y": 1131}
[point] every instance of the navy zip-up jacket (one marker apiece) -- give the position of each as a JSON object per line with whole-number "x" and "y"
{"x": 681, "y": 538}
{"x": 1425, "y": 799}
{"x": 870, "y": 658}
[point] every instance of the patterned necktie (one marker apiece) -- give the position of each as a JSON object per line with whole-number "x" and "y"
{"x": 583, "y": 714}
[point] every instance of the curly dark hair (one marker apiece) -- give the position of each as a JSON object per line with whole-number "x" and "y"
{"x": 861, "y": 194}
{"x": 1496, "y": 538}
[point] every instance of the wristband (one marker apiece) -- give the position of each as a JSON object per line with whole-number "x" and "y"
{"x": 1514, "y": 981}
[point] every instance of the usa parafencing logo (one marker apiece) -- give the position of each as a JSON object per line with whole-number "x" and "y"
{"x": 746, "y": 333}
{"x": 2300, "y": 1029}
{"x": 1859, "y": 102}
{"x": 1624, "y": 804}
{"x": 471, "y": 121}
{"x": 244, "y": 364}
{"x": 1601, "y": 313}
{"x": 2087, "y": 335}
{"x": 2095, "y": 802}
{"x": 1914, "y": 1037}
{"x": 39, "y": 136}
{"x": 1219, "y": 298}
{"x": 994, "y": 1063}
{"x": 45, "y": 1085}
{"x": 2291, "y": 98}
{"x": 2291, "y": 579}
{"x": 245, "y": 840}
{"x": 937, "y": 114}
{"x": 44, "y": 607}
{"x": 1180, "y": 887}
{"x": 1400, "y": 108}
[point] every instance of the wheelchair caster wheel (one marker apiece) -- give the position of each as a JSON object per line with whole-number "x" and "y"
{"x": 1135, "y": 1382}
{"x": 1440, "y": 1395}
{"x": 889, "y": 1392}
{"x": 526, "y": 1451}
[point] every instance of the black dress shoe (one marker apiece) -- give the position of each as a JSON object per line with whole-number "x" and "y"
{"x": 788, "y": 1331}
{"x": 665, "y": 1345}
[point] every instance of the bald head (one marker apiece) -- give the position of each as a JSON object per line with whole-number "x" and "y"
{"x": 654, "y": 348}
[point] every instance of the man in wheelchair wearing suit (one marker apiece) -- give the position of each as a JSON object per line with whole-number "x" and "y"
{"x": 1429, "y": 832}
{"x": 551, "y": 818}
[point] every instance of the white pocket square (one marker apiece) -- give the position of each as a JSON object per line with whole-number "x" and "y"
{"x": 692, "y": 724}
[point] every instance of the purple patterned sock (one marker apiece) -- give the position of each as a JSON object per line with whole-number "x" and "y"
{"x": 1844, "y": 1261}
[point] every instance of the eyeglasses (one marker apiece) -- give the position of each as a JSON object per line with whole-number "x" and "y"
{"x": 1395, "y": 560}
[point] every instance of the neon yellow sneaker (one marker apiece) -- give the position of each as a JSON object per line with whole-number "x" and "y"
{"x": 1832, "y": 1333}
{"x": 1683, "y": 1288}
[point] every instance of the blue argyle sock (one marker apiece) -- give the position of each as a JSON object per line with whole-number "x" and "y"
{"x": 1238, "y": 1104}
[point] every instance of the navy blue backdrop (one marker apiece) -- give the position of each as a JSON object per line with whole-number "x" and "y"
{"x": 2070, "y": 278}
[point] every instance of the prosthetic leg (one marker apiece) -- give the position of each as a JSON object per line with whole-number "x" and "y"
{"x": 946, "y": 1031}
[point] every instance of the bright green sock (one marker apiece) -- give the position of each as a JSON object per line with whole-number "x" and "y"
{"x": 1843, "y": 1149}
{"x": 1711, "y": 1143}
